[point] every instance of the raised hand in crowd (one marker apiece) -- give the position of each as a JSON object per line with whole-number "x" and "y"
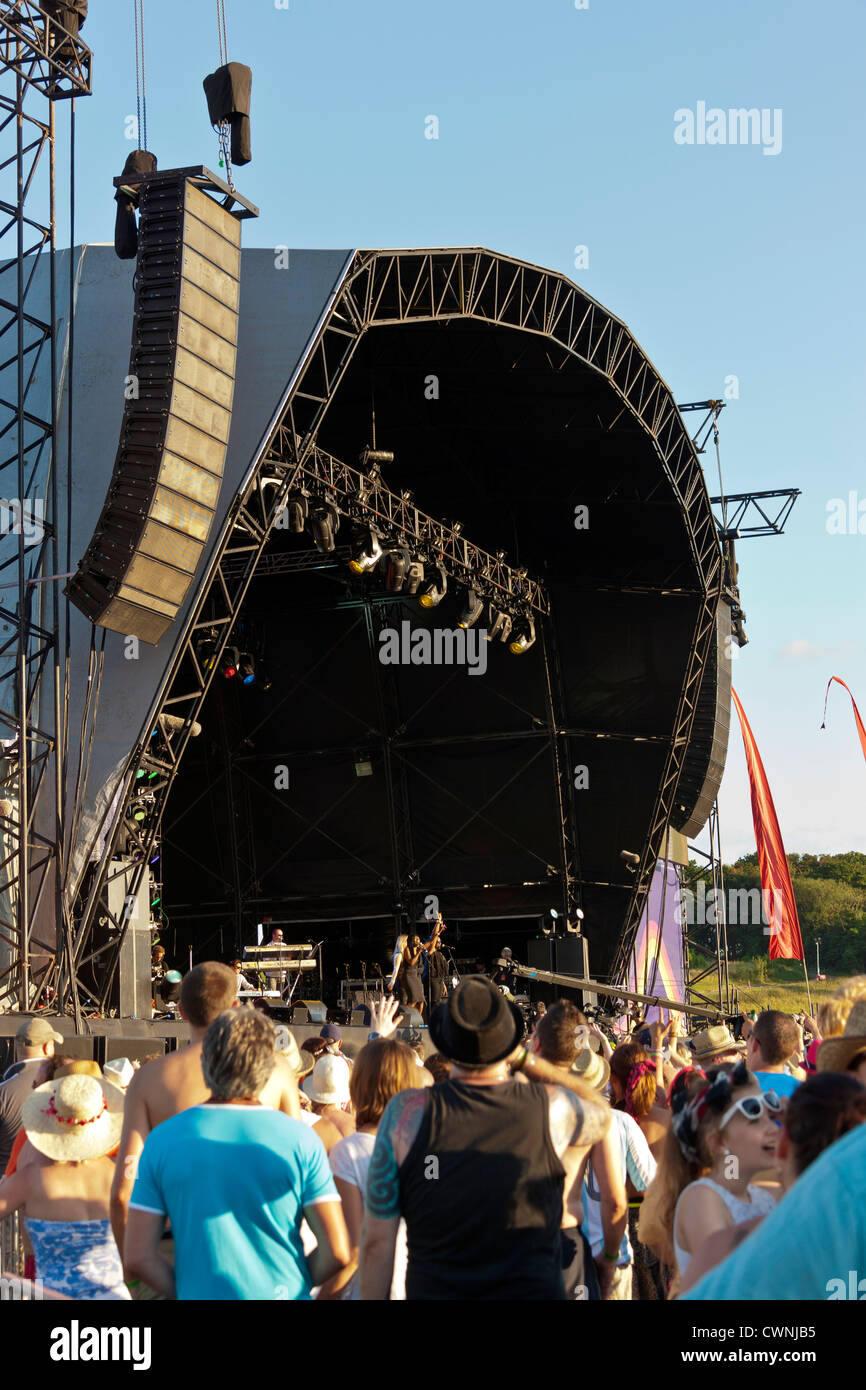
{"x": 384, "y": 1016}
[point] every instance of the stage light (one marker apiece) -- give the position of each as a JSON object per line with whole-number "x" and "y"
{"x": 500, "y": 626}
{"x": 247, "y": 669}
{"x": 414, "y": 577}
{"x": 230, "y": 664}
{"x": 139, "y": 774}
{"x": 434, "y": 593}
{"x": 297, "y": 510}
{"x": 138, "y": 815}
{"x": 472, "y": 610}
{"x": 525, "y": 637}
{"x": 396, "y": 567}
{"x": 630, "y": 859}
{"x": 324, "y": 523}
{"x": 368, "y": 556}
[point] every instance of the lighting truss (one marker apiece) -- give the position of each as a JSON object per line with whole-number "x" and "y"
{"x": 366, "y": 499}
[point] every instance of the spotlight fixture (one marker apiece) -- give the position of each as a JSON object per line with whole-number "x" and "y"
{"x": 323, "y": 523}
{"x": 297, "y": 510}
{"x": 414, "y": 577}
{"x": 370, "y": 456}
{"x": 368, "y": 555}
{"x": 525, "y": 637}
{"x": 473, "y": 609}
{"x": 247, "y": 669}
{"x": 630, "y": 859}
{"x": 396, "y": 568}
{"x": 434, "y": 593}
{"x": 231, "y": 661}
{"x": 500, "y": 626}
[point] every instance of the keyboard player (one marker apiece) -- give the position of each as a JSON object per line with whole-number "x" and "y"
{"x": 276, "y": 979}
{"x": 243, "y": 982}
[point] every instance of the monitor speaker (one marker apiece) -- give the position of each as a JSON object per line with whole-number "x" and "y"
{"x": 410, "y": 1017}
{"x": 310, "y": 1011}
{"x": 160, "y": 506}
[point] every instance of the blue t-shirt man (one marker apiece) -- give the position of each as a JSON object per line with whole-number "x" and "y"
{"x": 812, "y": 1245}
{"x": 234, "y": 1181}
{"x": 782, "y": 1082}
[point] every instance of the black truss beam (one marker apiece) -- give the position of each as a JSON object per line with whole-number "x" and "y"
{"x": 37, "y": 57}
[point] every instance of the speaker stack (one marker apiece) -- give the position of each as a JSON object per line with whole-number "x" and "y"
{"x": 160, "y": 506}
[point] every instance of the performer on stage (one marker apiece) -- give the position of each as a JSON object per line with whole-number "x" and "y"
{"x": 503, "y": 975}
{"x": 408, "y": 951}
{"x": 243, "y": 982}
{"x": 157, "y": 965}
{"x": 276, "y": 980}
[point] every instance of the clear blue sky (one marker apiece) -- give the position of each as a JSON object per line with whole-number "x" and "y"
{"x": 556, "y": 129}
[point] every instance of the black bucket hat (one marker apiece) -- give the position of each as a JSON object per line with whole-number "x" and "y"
{"x": 478, "y": 1025}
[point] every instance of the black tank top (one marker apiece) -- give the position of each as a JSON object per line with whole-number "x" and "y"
{"x": 481, "y": 1193}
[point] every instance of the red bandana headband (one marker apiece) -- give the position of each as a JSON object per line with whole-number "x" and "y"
{"x": 638, "y": 1071}
{"x": 68, "y": 1120}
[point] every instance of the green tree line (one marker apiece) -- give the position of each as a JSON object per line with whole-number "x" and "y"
{"x": 830, "y": 891}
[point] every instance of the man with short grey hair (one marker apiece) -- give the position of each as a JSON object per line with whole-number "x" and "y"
{"x": 236, "y": 1179}
{"x": 34, "y": 1041}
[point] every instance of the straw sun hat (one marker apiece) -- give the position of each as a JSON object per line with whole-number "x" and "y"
{"x": 74, "y": 1119}
{"x": 837, "y": 1054}
{"x": 328, "y": 1084}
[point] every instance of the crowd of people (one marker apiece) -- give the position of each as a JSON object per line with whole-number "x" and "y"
{"x": 569, "y": 1164}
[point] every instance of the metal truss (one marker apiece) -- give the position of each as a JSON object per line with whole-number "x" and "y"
{"x": 751, "y": 516}
{"x": 388, "y": 288}
{"x": 41, "y": 53}
{"x": 366, "y": 499}
{"x": 719, "y": 965}
{"x": 36, "y": 55}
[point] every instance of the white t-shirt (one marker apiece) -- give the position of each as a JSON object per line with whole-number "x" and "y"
{"x": 637, "y": 1164}
{"x": 350, "y": 1161}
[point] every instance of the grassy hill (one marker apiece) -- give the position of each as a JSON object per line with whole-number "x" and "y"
{"x": 784, "y": 987}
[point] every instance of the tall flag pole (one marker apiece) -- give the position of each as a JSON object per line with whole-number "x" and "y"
{"x": 777, "y": 891}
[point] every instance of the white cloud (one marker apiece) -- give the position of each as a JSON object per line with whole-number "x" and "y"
{"x": 801, "y": 649}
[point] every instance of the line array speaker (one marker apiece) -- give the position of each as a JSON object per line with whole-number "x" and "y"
{"x": 160, "y": 505}
{"x": 704, "y": 763}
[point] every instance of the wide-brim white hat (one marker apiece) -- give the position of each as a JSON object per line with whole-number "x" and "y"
{"x": 74, "y": 1118}
{"x": 328, "y": 1084}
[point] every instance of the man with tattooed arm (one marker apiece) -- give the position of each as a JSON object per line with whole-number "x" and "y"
{"x": 475, "y": 1165}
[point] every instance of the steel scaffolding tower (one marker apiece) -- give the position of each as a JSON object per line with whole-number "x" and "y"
{"x": 40, "y": 62}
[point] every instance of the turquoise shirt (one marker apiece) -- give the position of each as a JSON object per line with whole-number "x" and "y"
{"x": 234, "y": 1181}
{"x": 812, "y": 1246}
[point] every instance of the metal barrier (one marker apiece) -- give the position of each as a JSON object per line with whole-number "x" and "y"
{"x": 11, "y": 1246}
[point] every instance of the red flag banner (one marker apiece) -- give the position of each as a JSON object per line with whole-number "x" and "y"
{"x": 861, "y": 729}
{"x": 780, "y": 907}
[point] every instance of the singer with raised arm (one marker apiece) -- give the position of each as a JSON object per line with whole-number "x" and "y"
{"x": 408, "y": 951}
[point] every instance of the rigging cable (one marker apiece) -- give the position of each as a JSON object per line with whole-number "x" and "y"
{"x": 140, "y": 73}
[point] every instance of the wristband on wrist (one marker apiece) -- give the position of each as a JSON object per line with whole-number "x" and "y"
{"x": 611, "y": 1259}
{"x": 518, "y": 1066}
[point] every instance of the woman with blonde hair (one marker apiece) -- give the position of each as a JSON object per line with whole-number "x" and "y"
{"x": 382, "y": 1069}
{"x": 408, "y": 951}
{"x": 723, "y": 1132}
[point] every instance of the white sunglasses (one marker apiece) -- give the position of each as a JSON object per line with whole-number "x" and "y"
{"x": 753, "y": 1107}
